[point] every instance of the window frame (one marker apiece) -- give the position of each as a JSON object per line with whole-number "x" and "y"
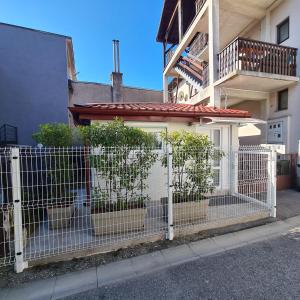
{"x": 279, "y": 108}
{"x": 287, "y": 20}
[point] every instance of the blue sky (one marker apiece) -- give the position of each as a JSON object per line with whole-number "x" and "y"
{"x": 93, "y": 24}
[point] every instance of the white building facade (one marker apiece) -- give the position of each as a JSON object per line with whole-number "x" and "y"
{"x": 236, "y": 54}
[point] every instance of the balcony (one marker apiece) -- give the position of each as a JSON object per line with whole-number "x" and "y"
{"x": 255, "y": 65}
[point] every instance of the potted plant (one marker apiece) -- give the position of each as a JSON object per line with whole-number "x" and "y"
{"x": 193, "y": 156}
{"x": 60, "y": 176}
{"x": 121, "y": 162}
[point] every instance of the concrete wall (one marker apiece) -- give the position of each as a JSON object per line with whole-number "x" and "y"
{"x": 252, "y": 134}
{"x": 33, "y": 79}
{"x": 142, "y": 95}
{"x": 90, "y": 92}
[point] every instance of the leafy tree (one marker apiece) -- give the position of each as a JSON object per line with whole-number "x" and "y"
{"x": 193, "y": 158}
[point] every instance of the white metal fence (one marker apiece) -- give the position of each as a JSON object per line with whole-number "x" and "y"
{"x": 56, "y": 201}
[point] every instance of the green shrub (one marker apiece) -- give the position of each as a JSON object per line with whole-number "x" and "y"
{"x": 123, "y": 159}
{"x": 192, "y": 164}
{"x": 54, "y": 135}
{"x": 116, "y": 134}
{"x": 60, "y": 165}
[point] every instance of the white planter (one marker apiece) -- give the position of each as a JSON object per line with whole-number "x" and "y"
{"x": 60, "y": 217}
{"x": 124, "y": 221}
{"x": 190, "y": 212}
{"x": 186, "y": 212}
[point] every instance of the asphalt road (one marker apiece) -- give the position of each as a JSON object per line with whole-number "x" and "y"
{"x": 265, "y": 270}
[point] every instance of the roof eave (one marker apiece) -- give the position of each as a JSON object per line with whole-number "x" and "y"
{"x": 118, "y": 112}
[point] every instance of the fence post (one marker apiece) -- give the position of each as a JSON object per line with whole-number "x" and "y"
{"x": 20, "y": 265}
{"x": 273, "y": 180}
{"x": 170, "y": 234}
{"x": 234, "y": 172}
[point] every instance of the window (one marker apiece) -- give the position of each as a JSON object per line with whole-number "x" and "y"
{"x": 283, "y": 97}
{"x": 283, "y": 31}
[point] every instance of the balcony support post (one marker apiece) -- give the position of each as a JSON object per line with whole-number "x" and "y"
{"x": 166, "y": 88}
{"x": 180, "y": 21}
{"x": 214, "y": 48}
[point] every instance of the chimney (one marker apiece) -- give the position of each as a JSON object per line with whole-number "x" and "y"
{"x": 117, "y": 76}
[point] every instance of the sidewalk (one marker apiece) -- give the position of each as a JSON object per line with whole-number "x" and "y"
{"x": 73, "y": 283}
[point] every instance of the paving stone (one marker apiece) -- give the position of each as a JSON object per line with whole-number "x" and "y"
{"x": 40, "y": 290}
{"x": 76, "y": 282}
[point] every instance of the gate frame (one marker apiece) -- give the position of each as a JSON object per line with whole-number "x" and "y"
{"x": 272, "y": 177}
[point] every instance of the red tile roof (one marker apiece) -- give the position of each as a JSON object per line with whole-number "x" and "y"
{"x": 157, "y": 109}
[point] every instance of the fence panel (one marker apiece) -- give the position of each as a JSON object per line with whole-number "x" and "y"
{"x": 202, "y": 201}
{"x": 82, "y": 199}
{"x": 88, "y": 200}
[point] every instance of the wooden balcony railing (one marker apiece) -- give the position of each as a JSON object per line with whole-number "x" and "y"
{"x": 199, "y": 43}
{"x": 169, "y": 54}
{"x": 250, "y": 55}
{"x": 199, "y": 4}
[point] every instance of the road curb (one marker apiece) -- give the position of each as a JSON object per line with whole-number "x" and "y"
{"x": 73, "y": 283}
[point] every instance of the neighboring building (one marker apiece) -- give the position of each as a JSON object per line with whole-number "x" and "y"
{"x": 35, "y": 67}
{"x": 238, "y": 54}
{"x": 38, "y": 83}
{"x": 91, "y": 92}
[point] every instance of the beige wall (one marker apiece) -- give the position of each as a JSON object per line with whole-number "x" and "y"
{"x": 142, "y": 95}
{"x": 86, "y": 92}
{"x": 252, "y": 134}
{"x": 90, "y": 92}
